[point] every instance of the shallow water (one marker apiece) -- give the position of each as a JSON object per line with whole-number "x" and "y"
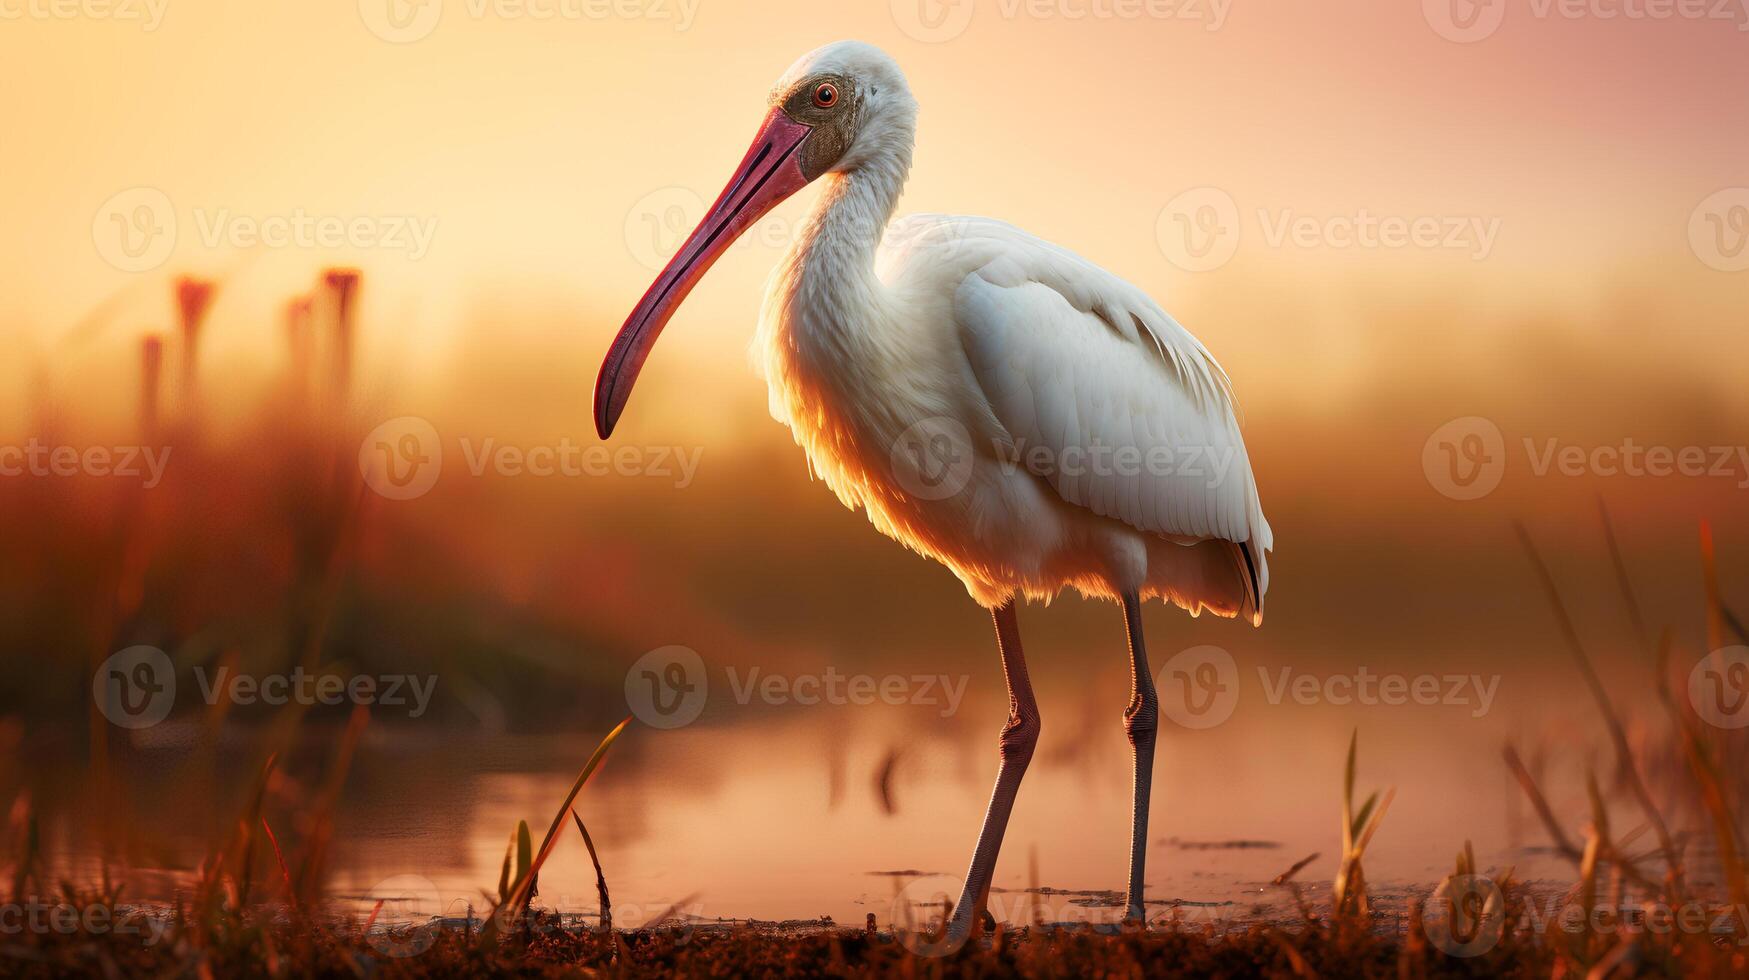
{"x": 784, "y": 816}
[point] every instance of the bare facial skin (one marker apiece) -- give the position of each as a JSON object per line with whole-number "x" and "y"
{"x": 831, "y": 105}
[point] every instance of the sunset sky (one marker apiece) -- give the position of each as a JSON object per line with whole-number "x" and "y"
{"x": 550, "y": 162}
{"x": 1525, "y": 220}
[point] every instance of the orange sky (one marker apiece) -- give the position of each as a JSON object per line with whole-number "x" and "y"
{"x": 544, "y": 156}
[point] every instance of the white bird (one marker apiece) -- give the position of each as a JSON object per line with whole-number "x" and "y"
{"x": 988, "y": 399}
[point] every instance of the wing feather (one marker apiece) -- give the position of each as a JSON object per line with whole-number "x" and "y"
{"x": 1106, "y": 397}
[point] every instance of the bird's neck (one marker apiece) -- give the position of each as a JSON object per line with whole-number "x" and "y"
{"x": 827, "y": 316}
{"x": 836, "y": 250}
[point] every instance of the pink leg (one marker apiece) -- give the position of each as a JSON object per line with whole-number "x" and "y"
{"x": 1140, "y": 720}
{"x": 1019, "y": 737}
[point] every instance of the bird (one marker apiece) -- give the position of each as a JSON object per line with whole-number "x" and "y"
{"x": 988, "y": 399}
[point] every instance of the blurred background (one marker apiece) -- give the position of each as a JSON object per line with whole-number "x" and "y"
{"x": 268, "y": 245}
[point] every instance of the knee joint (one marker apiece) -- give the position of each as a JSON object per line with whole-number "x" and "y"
{"x": 1141, "y": 719}
{"x": 1019, "y": 737}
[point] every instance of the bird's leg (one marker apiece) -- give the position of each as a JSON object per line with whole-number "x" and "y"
{"x": 1140, "y": 720}
{"x": 1019, "y": 736}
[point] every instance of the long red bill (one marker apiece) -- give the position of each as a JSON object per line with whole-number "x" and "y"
{"x": 770, "y": 172}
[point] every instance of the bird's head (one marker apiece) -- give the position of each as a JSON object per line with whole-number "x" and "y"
{"x": 839, "y": 108}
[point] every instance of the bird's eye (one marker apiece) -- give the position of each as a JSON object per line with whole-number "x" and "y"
{"x": 826, "y": 96}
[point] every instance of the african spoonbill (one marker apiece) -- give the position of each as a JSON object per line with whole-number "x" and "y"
{"x": 961, "y": 382}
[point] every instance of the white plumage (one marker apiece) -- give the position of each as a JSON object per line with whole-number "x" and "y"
{"x": 990, "y": 400}
{"x": 1106, "y": 451}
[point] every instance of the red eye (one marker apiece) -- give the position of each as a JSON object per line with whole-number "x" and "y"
{"x": 826, "y": 96}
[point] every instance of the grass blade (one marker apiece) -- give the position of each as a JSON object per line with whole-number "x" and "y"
{"x": 523, "y": 889}
{"x": 600, "y": 879}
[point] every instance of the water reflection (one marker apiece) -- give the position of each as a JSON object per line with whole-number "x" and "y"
{"x": 833, "y": 811}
